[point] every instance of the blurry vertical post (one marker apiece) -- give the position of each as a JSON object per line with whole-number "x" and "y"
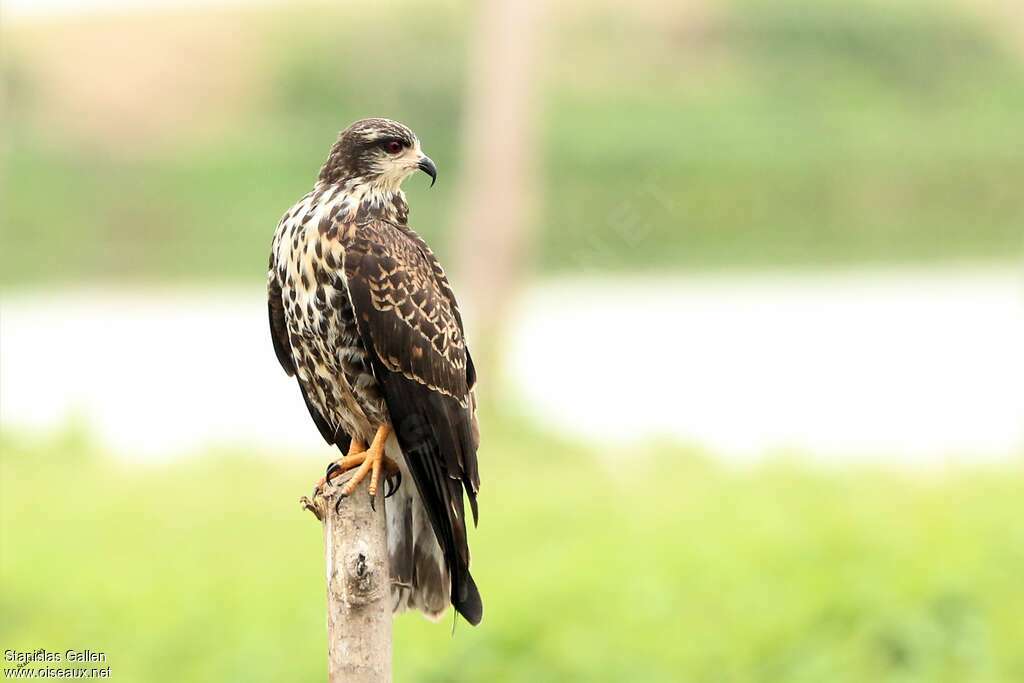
{"x": 499, "y": 145}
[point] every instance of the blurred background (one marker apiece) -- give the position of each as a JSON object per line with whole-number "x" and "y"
{"x": 746, "y": 279}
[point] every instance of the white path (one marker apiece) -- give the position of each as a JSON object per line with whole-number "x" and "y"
{"x": 918, "y": 367}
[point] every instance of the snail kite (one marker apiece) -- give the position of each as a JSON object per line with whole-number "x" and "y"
{"x": 361, "y": 313}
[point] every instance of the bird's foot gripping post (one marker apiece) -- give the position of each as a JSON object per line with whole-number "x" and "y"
{"x": 365, "y": 461}
{"x": 359, "y": 609}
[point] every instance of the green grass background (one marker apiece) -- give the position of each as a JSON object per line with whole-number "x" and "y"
{"x": 668, "y": 569}
{"x": 773, "y": 134}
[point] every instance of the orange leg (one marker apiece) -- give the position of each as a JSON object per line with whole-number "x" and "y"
{"x": 373, "y": 461}
{"x": 366, "y": 461}
{"x": 354, "y": 457}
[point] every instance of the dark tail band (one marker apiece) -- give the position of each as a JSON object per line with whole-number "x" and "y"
{"x": 466, "y": 599}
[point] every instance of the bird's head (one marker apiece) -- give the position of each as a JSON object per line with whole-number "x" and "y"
{"x": 377, "y": 151}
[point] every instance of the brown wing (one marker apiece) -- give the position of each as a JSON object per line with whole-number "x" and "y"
{"x": 408, "y": 317}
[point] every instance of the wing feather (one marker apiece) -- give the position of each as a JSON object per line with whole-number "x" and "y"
{"x": 408, "y": 316}
{"x": 278, "y": 324}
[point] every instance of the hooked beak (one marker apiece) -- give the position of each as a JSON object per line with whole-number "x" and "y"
{"x": 426, "y": 165}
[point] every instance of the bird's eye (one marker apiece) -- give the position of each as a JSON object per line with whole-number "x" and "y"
{"x": 393, "y": 146}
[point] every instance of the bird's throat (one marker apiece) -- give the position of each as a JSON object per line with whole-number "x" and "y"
{"x": 369, "y": 201}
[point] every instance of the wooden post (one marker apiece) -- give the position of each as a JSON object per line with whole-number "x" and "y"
{"x": 358, "y": 585}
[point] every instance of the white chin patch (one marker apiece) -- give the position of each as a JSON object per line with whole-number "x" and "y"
{"x": 392, "y": 177}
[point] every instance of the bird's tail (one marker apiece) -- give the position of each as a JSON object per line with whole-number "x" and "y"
{"x": 419, "y": 572}
{"x": 467, "y": 601}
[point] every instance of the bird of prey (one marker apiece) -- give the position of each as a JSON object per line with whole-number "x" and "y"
{"x": 361, "y": 313}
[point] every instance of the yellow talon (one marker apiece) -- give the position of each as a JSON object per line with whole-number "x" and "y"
{"x": 365, "y": 460}
{"x": 373, "y": 459}
{"x": 356, "y": 454}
